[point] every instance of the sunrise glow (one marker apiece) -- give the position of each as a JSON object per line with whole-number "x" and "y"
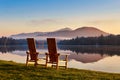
{"x": 23, "y": 16}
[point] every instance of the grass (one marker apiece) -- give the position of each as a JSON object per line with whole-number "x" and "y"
{"x": 15, "y": 71}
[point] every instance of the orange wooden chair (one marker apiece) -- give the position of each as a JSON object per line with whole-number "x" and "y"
{"x": 52, "y": 56}
{"x": 32, "y": 55}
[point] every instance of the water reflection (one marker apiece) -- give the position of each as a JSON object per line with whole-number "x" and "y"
{"x": 109, "y": 50}
{"x": 13, "y": 57}
{"x": 109, "y": 64}
{"x": 85, "y": 54}
{"x": 102, "y": 58}
{"x": 5, "y": 49}
{"x": 87, "y": 58}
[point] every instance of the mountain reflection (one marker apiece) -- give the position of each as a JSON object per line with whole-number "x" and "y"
{"x": 87, "y": 58}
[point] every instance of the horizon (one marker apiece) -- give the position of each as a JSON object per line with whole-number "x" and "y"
{"x": 63, "y": 28}
{"x": 25, "y": 16}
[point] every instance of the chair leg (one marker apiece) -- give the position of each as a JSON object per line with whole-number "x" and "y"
{"x": 35, "y": 64}
{"x": 27, "y": 59}
{"x": 66, "y": 65}
{"x": 57, "y": 66}
{"x": 52, "y": 65}
{"x": 46, "y": 61}
{"x": 26, "y": 63}
{"x": 46, "y": 65}
{"x": 66, "y": 59}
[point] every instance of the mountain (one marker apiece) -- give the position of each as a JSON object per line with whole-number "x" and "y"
{"x": 65, "y": 33}
{"x": 64, "y": 29}
{"x": 89, "y": 32}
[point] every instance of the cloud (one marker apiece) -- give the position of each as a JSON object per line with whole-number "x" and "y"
{"x": 105, "y": 21}
{"x": 44, "y": 22}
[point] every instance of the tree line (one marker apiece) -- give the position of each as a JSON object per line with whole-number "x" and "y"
{"x": 11, "y": 41}
{"x": 101, "y": 40}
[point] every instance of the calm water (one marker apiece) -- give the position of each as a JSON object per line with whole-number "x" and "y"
{"x": 98, "y": 58}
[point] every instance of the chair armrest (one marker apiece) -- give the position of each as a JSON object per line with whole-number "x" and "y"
{"x": 49, "y": 54}
{"x": 37, "y": 52}
{"x": 46, "y": 53}
{"x": 58, "y": 54}
{"x": 27, "y": 52}
{"x": 66, "y": 54}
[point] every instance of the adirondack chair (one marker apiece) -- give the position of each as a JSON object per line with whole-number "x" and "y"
{"x": 52, "y": 56}
{"x": 32, "y": 55}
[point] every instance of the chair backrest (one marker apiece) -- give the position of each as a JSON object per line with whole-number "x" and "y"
{"x": 32, "y": 48}
{"x": 52, "y": 49}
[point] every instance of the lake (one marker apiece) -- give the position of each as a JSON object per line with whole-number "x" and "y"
{"x": 97, "y": 58}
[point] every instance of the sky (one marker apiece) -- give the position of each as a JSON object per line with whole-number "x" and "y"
{"x": 24, "y": 16}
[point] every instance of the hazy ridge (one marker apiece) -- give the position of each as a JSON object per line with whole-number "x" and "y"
{"x": 65, "y": 33}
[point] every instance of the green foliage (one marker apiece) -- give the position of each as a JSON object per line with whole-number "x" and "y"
{"x": 101, "y": 40}
{"x": 11, "y": 41}
{"x": 15, "y": 71}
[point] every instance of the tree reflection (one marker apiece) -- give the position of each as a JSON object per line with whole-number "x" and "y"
{"x": 109, "y": 50}
{"x": 5, "y": 49}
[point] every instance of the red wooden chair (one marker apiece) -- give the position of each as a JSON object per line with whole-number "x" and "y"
{"x": 52, "y": 56}
{"x": 32, "y": 55}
